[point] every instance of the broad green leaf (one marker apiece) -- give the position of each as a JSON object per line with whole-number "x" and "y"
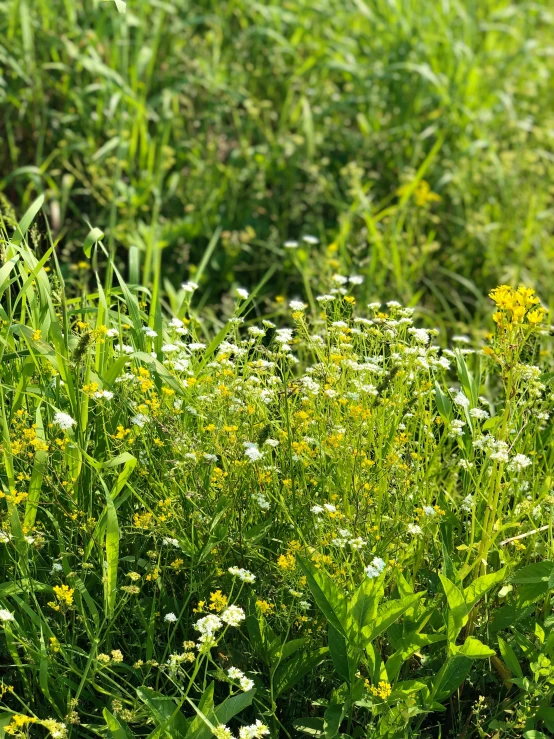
{"x": 482, "y": 585}
{"x": 509, "y": 657}
{"x": 457, "y": 609}
{"x": 329, "y": 599}
{"x": 451, "y": 676}
{"x": 93, "y": 237}
{"x": 475, "y": 649}
{"x": 290, "y": 672}
{"x": 389, "y": 613}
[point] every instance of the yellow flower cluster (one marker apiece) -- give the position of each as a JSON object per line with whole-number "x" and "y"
{"x": 382, "y": 690}
{"x": 515, "y": 305}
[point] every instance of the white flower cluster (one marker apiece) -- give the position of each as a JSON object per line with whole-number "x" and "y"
{"x": 242, "y": 574}
{"x": 375, "y": 568}
{"x": 245, "y": 682}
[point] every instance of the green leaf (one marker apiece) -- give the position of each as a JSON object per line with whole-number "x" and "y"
{"x": 329, "y": 599}
{"x": 93, "y": 237}
{"x": 482, "y": 585}
{"x": 116, "y": 729}
{"x": 509, "y": 657}
{"x": 338, "y": 652}
{"x": 451, "y": 676}
{"x": 332, "y": 720}
{"x": 475, "y": 649}
{"x": 25, "y": 222}
{"x": 112, "y": 556}
{"x": 389, "y": 613}
{"x": 310, "y": 726}
{"x": 291, "y": 671}
{"x": 457, "y": 609}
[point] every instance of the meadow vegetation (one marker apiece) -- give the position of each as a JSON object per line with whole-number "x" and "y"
{"x": 276, "y": 374}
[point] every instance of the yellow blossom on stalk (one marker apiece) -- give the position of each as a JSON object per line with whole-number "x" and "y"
{"x": 36, "y": 335}
{"x": 264, "y": 606}
{"x": 382, "y": 690}
{"x": 516, "y": 304}
{"x": 286, "y": 562}
{"x": 218, "y": 601}
{"x": 64, "y": 594}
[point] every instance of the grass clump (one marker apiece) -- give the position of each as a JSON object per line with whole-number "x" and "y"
{"x": 307, "y": 521}
{"x": 414, "y": 139}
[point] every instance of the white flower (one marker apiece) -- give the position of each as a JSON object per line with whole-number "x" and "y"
{"x": 4, "y": 537}
{"x": 112, "y": 332}
{"x": 64, "y": 421}
{"x": 325, "y": 298}
{"x": 467, "y": 503}
{"x": 6, "y": 615}
{"x": 519, "y": 463}
{"x": 414, "y": 529}
{"x": 429, "y": 510}
{"x": 168, "y": 348}
{"x": 461, "y": 400}
{"x": 189, "y": 287}
{"x": 317, "y": 509}
{"x": 329, "y": 507}
{"x": 340, "y": 279}
{"x": 149, "y": 332}
{"x": 297, "y": 305}
{"x": 124, "y": 348}
{"x": 242, "y": 574}
{"x": 234, "y": 673}
{"x": 254, "y": 731}
{"x": 356, "y": 279}
{"x": 375, "y": 568}
{"x": 196, "y": 346}
{"x": 168, "y": 542}
{"x": 140, "y": 420}
{"x": 262, "y": 501}
{"x": 272, "y": 443}
{"x": 222, "y": 732}
{"x": 291, "y": 244}
{"x": 233, "y": 615}
{"x": 208, "y": 625}
{"x": 170, "y": 618}
{"x": 478, "y": 413}
{"x": 252, "y": 451}
{"x": 307, "y": 239}
{"x": 242, "y": 293}
{"x": 103, "y": 395}
{"x": 246, "y": 684}
{"x": 419, "y": 334}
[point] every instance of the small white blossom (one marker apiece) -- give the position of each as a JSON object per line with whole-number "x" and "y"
{"x": 171, "y": 618}
{"x": 64, "y": 420}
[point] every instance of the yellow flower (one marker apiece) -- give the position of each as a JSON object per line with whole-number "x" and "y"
{"x": 64, "y": 594}
{"x": 264, "y": 606}
{"x": 536, "y": 316}
{"x": 218, "y": 601}
{"x": 287, "y": 561}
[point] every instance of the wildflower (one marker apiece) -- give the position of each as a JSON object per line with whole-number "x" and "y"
{"x": 429, "y": 510}
{"x": 117, "y": 655}
{"x": 171, "y": 618}
{"x": 168, "y": 542}
{"x": 317, "y": 509}
{"x": 375, "y": 568}
{"x": 383, "y": 690}
{"x": 519, "y": 463}
{"x": 479, "y": 414}
{"x": 169, "y": 348}
{"x": 242, "y": 574}
{"x": 356, "y": 279}
{"x": 103, "y": 395}
{"x": 124, "y": 348}
{"x": 149, "y": 332}
{"x": 234, "y": 673}
{"x": 140, "y": 420}
{"x": 252, "y": 451}
{"x": 64, "y": 594}
{"x": 467, "y": 503}
{"x": 254, "y": 731}
{"x": 218, "y": 601}
{"x": 414, "y": 529}
{"x": 312, "y": 240}
{"x": 189, "y": 287}
{"x": 246, "y": 683}
{"x": 297, "y": 305}
{"x": 5, "y": 615}
{"x": 291, "y": 244}
{"x": 222, "y": 732}
{"x": 461, "y": 400}
{"x": 420, "y": 335}
{"x": 112, "y": 332}
{"x": 233, "y": 615}
{"x": 325, "y": 299}
{"x": 64, "y": 421}
{"x": 208, "y": 625}
{"x": 242, "y": 293}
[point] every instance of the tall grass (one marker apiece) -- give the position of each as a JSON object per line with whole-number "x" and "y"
{"x": 269, "y": 121}
{"x": 312, "y": 523}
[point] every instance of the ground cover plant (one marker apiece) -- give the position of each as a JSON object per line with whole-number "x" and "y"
{"x": 296, "y": 522}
